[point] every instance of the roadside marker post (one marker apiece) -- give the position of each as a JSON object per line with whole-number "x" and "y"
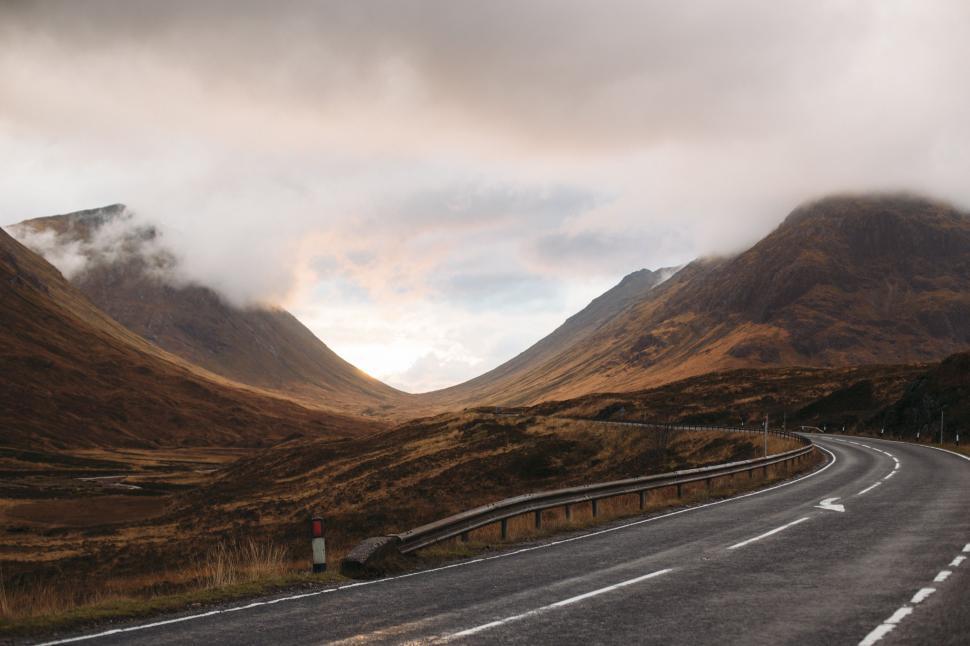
{"x": 318, "y": 544}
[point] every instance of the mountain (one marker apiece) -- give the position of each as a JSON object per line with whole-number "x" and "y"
{"x": 843, "y": 281}
{"x": 943, "y": 388}
{"x": 71, "y": 376}
{"x": 127, "y": 272}
{"x": 554, "y": 350}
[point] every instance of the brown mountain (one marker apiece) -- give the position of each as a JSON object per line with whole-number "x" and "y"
{"x": 537, "y": 369}
{"x": 944, "y": 388}
{"x": 843, "y": 281}
{"x": 127, "y": 273}
{"x": 71, "y": 376}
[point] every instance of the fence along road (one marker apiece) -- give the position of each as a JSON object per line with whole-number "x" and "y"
{"x": 769, "y": 567}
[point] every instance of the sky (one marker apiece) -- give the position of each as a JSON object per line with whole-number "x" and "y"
{"x": 431, "y": 187}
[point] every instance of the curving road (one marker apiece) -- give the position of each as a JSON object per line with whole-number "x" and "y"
{"x": 774, "y": 567}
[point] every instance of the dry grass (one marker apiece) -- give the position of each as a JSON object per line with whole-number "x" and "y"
{"x": 231, "y": 563}
{"x": 421, "y": 472}
{"x": 228, "y": 570}
{"x": 553, "y": 521}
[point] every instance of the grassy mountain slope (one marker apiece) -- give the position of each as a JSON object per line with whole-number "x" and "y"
{"x": 843, "y": 281}
{"x": 129, "y": 278}
{"x": 70, "y": 376}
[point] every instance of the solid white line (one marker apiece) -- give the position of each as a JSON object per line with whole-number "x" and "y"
{"x": 869, "y": 488}
{"x": 924, "y": 446}
{"x": 453, "y": 565}
{"x": 878, "y": 633}
{"x": 957, "y": 561}
{"x": 920, "y": 596}
{"x": 767, "y": 534}
{"x": 552, "y": 606}
{"x": 942, "y": 576}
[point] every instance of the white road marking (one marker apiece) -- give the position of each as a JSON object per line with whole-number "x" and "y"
{"x": 523, "y": 550}
{"x": 878, "y": 633}
{"x": 889, "y": 625}
{"x": 767, "y": 534}
{"x": 831, "y": 505}
{"x": 869, "y": 488}
{"x": 920, "y": 596}
{"x": 899, "y": 615}
{"x": 552, "y": 606}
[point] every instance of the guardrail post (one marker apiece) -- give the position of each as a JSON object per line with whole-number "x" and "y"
{"x": 505, "y": 528}
{"x": 707, "y": 483}
{"x": 680, "y": 490}
{"x": 539, "y": 519}
{"x": 318, "y": 545}
{"x": 642, "y": 501}
{"x": 594, "y": 501}
{"x": 568, "y": 510}
{"x": 464, "y": 537}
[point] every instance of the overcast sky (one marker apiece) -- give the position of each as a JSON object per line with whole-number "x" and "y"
{"x": 433, "y": 186}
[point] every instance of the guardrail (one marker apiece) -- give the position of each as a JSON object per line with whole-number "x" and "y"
{"x": 500, "y": 512}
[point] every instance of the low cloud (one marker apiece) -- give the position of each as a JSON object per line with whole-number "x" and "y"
{"x": 361, "y": 162}
{"x": 107, "y": 235}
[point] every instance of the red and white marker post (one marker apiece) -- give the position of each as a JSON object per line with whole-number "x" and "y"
{"x": 319, "y": 546}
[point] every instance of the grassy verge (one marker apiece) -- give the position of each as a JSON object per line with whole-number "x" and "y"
{"x": 235, "y": 571}
{"x": 228, "y": 572}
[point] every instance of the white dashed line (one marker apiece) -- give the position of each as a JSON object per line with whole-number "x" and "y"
{"x": 957, "y": 561}
{"x": 878, "y": 633}
{"x": 767, "y": 534}
{"x": 886, "y": 627}
{"x": 920, "y": 596}
{"x": 869, "y": 488}
{"x": 942, "y": 576}
{"x": 553, "y": 606}
{"x": 900, "y": 614}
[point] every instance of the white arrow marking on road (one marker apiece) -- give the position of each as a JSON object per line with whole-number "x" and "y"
{"x": 829, "y": 503}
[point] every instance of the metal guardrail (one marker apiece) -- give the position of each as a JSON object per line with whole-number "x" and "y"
{"x": 500, "y": 512}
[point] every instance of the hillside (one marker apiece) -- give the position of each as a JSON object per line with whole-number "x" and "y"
{"x": 946, "y": 388}
{"x": 578, "y": 331}
{"x": 843, "y": 281}
{"x": 127, "y": 274}
{"x": 70, "y": 376}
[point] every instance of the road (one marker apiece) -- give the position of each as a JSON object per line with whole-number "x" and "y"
{"x": 774, "y": 567}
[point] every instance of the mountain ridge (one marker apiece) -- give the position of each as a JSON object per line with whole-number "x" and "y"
{"x": 841, "y": 281}
{"x": 73, "y": 377}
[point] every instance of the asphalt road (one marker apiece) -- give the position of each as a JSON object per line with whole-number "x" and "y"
{"x": 767, "y": 568}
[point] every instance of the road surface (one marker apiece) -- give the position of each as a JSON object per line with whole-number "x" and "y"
{"x": 871, "y": 549}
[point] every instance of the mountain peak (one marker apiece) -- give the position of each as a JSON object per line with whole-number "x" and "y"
{"x": 864, "y": 208}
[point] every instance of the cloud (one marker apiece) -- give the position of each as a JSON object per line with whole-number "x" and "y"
{"x": 432, "y": 372}
{"x": 106, "y": 235}
{"x": 358, "y": 162}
